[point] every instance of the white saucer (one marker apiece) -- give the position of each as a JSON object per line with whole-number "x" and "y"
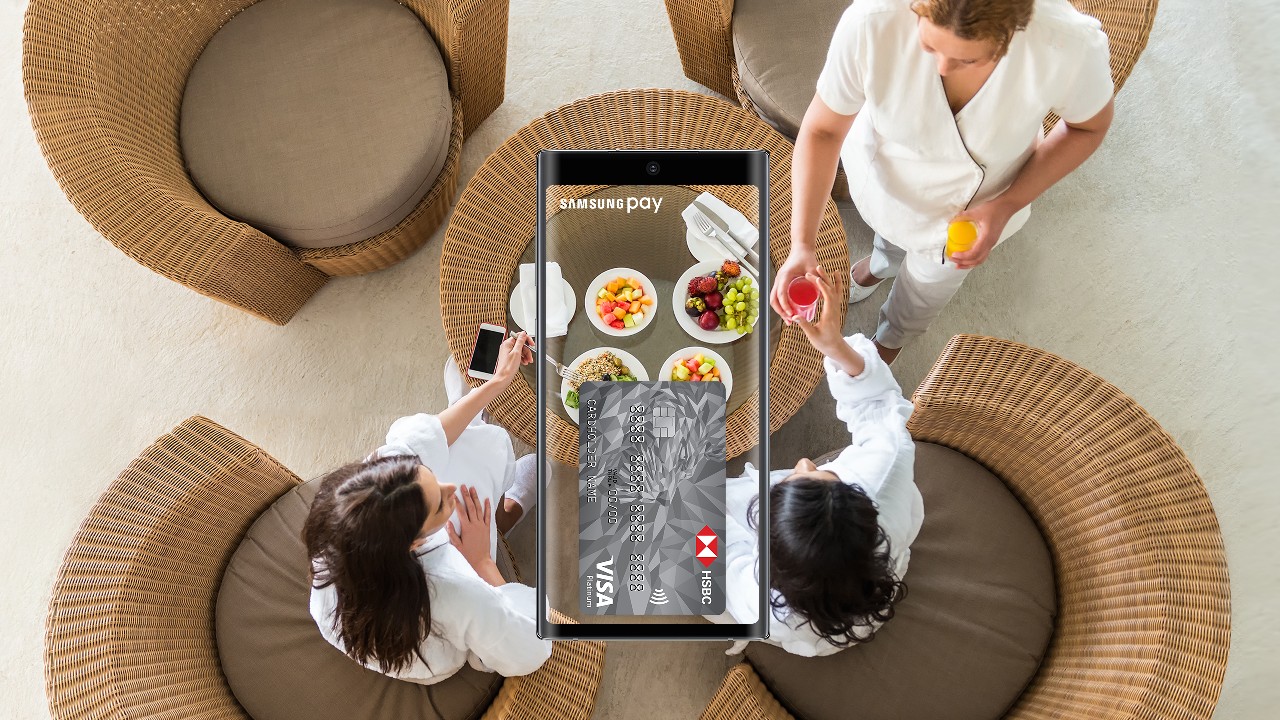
{"x": 516, "y": 306}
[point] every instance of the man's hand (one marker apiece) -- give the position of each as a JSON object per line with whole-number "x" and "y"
{"x": 800, "y": 262}
{"x": 513, "y": 353}
{"x": 990, "y": 217}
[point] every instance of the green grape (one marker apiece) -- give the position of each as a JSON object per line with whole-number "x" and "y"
{"x": 740, "y": 306}
{"x": 755, "y": 294}
{"x": 742, "y": 329}
{"x": 731, "y": 323}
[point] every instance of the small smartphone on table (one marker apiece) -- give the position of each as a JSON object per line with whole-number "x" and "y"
{"x": 484, "y": 357}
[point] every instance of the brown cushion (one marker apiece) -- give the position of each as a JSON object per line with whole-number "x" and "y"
{"x": 279, "y": 666}
{"x": 972, "y": 630}
{"x": 780, "y": 48}
{"x": 319, "y": 122}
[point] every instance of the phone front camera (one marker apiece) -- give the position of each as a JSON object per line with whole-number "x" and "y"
{"x": 652, "y": 167}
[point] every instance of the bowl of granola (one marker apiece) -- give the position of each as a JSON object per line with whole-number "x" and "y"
{"x": 601, "y": 364}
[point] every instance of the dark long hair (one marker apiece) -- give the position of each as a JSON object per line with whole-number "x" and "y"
{"x": 362, "y": 522}
{"x": 829, "y": 558}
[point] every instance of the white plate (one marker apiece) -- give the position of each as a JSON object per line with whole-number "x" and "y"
{"x": 589, "y": 301}
{"x": 726, "y": 375}
{"x": 516, "y": 306}
{"x": 690, "y": 324}
{"x": 627, "y": 359}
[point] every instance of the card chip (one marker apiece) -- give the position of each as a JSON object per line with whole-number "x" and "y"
{"x": 664, "y": 421}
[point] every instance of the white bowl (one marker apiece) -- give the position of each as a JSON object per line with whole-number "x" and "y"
{"x": 627, "y": 358}
{"x": 726, "y": 375}
{"x": 594, "y": 288}
{"x": 690, "y": 324}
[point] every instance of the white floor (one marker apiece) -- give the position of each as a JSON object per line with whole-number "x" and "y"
{"x": 1146, "y": 266}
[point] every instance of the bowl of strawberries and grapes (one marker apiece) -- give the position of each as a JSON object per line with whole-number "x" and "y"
{"x": 717, "y": 302}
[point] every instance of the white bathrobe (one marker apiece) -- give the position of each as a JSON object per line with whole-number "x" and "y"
{"x": 491, "y": 628}
{"x": 880, "y": 459}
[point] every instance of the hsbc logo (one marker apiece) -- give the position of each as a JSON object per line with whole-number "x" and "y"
{"x": 705, "y": 546}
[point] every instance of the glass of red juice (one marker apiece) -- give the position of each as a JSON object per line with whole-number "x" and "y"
{"x": 803, "y": 293}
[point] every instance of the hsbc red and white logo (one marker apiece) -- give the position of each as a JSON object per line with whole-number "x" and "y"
{"x": 706, "y": 546}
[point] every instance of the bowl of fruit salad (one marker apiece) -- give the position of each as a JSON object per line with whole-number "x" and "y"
{"x": 620, "y": 302}
{"x": 601, "y": 364}
{"x": 698, "y": 364}
{"x": 716, "y": 303}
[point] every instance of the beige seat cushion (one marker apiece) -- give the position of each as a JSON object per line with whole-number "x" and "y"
{"x": 972, "y": 630}
{"x": 319, "y": 122}
{"x": 279, "y": 666}
{"x": 780, "y": 48}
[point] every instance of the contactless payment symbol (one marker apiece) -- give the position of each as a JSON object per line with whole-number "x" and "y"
{"x": 705, "y": 546}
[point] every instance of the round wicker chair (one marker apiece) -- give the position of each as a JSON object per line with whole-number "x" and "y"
{"x": 1144, "y": 604}
{"x": 130, "y": 631}
{"x": 104, "y": 83}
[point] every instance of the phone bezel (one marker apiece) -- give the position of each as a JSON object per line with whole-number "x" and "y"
{"x": 677, "y": 167}
{"x": 489, "y": 327}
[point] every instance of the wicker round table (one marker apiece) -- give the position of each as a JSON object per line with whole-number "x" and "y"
{"x": 493, "y": 226}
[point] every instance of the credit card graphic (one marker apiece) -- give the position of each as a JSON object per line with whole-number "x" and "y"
{"x": 651, "y": 498}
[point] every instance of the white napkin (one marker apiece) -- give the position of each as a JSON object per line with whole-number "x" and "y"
{"x": 724, "y": 217}
{"x": 557, "y": 311}
{"x": 732, "y": 220}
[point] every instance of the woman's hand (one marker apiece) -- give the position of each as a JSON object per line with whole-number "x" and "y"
{"x": 800, "y": 262}
{"x": 826, "y": 334}
{"x": 514, "y": 352}
{"x": 472, "y": 539}
{"x": 990, "y": 217}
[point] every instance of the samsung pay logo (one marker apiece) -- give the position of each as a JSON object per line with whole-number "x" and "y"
{"x": 628, "y": 203}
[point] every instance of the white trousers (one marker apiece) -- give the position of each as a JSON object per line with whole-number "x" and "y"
{"x": 921, "y": 288}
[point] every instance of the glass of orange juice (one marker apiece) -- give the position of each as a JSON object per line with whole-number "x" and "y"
{"x": 961, "y": 235}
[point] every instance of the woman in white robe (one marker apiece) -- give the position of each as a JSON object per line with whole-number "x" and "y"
{"x": 403, "y": 544}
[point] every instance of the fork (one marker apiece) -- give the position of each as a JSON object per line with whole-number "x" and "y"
{"x": 704, "y": 225}
{"x": 563, "y": 371}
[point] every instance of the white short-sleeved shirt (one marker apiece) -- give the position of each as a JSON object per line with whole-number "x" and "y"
{"x": 912, "y": 165}
{"x": 880, "y": 459}
{"x": 491, "y": 628}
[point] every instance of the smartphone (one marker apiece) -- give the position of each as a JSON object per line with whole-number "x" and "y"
{"x": 663, "y": 397}
{"x": 484, "y": 357}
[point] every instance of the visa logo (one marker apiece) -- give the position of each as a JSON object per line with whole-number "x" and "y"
{"x": 604, "y": 582}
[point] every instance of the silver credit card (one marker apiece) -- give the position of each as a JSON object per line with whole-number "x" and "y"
{"x": 651, "y": 498}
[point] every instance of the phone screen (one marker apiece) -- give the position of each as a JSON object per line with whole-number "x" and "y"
{"x": 485, "y": 357}
{"x": 663, "y": 329}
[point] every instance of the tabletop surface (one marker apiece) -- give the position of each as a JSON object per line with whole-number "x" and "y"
{"x": 493, "y": 224}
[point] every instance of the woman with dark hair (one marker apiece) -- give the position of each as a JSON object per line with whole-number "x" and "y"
{"x": 840, "y": 534}
{"x": 936, "y": 109}
{"x": 403, "y": 573}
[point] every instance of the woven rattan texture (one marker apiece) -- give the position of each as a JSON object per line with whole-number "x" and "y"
{"x": 130, "y": 630}
{"x": 704, "y": 39}
{"x": 103, "y": 83}
{"x": 496, "y": 215}
{"x": 1144, "y": 606}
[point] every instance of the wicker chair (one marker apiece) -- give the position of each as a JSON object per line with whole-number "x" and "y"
{"x": 1144, "y": 605}
{"x": 104, "y": 83}
{"x": 130, "y": 631}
